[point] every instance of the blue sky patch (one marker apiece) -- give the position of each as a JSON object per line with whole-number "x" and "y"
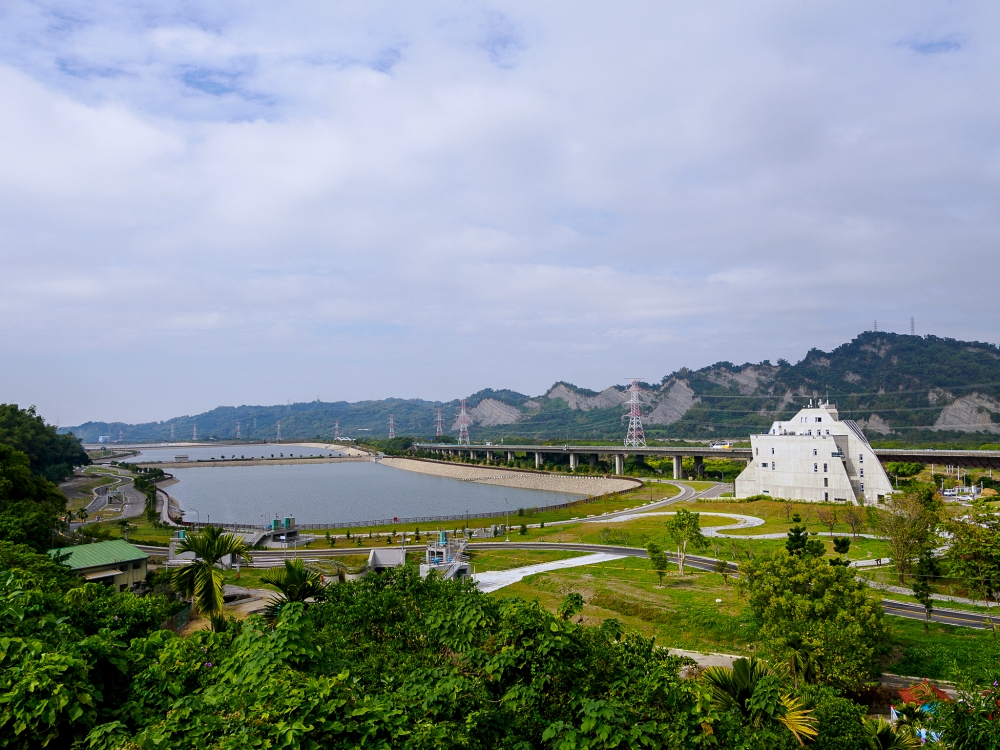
{"x": 936, "y": 46}
{"x": 215, "y": 82}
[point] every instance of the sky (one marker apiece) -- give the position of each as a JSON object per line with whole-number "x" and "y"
{"x": 224, "y": 203}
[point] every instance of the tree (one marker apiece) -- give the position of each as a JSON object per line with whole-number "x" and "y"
{"x": 722, "y": 568}
{"x": 787, "y": 506}
{"x": 974, "y": 552}
{"x": 908, "y": 521}
{"x": 903, "y": 468}
{"x": 842, "y": 546}
{"x": 657, "y": 560}
{"x": 797, "y": 539}
{"x": 854, "y": 518}
{"x": 827, "y": 517}
{"x": 684, "y": 527}
{"x": 31, "y": 507}
{"x": 199, "y": 579}
{"x": 826, "y": 606}
{"x": 970, "y": 723}
{"x": 882, "y": 735}
{"x": 50, "y": 454}
{"x": 296, "y": 584}
{"x": 752, "y": 691}
{"x": 803, "y": 658}
{"x": 814, "y": 547}
{"x": 922, "y": 592}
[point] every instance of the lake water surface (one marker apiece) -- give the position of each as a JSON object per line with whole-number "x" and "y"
{"x": 330, "y": 493}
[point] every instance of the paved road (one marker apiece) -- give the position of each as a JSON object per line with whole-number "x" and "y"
{"x": 135, "y": 503}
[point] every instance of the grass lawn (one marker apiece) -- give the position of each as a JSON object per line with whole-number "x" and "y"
{"x": 697, "y": 485}
{"x": 683, "y": 614}
{"x": 944, "y": 652}
{"x": 142, "y": 531}
{"x": 505, "y": 559}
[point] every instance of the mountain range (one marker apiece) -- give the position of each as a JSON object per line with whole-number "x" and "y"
{"x": 899, "y": 388}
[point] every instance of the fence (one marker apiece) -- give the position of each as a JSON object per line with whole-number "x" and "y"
{"x": 178, "y": 621}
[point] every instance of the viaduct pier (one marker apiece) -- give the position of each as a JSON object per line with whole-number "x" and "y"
{"x": 618, "y": 453}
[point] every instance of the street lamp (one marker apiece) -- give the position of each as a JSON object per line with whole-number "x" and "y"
{"x": 197, "y": 517}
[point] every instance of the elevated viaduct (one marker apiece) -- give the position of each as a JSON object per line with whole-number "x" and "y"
{"x": 618, "y": 453}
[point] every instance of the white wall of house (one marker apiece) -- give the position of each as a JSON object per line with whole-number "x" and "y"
{"x": 814, "y": 457}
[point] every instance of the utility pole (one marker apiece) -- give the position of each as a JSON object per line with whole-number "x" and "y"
{"x": 392, "y": 428}
{"x": 463, "y": 426}
{"x": 635, "y": 437}
{"x": 439, "y": 431}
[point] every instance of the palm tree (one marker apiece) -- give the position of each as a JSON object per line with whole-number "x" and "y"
{"x": 296, "y": 584}
{"x": 882, "y": 735}
{"x": 749, "y": 688}
{"x": 200, "y": 579}
{"x": 803, "y": 660}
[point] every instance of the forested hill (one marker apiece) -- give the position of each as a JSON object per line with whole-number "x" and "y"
{"x": 898, "y": 388}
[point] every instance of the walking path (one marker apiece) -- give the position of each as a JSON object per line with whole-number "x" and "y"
{"x": 497, "y": 579}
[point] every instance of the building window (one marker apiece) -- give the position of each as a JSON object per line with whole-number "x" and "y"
{"x": 756, "y": 451}
{"x": 135, "y": 566}
{"x": 764, "y": 465}
{"x": 810, "y": 432}
{"x": 772, "y": 451}
{"x": 862, "y": 472}
{"x": 772, "y": 466}
{"x": 824, "y": 467}
{"x": 819, "y": 419}
{"x": 826, "y": 482}
{"x": 827, "y": 432}
{"x": 814, "y": 451}
{"x": 815, "y": 467}
{"x": 826, "y": 496}
{"x": 861, "y": 458}
{"x": 862, "y": 486}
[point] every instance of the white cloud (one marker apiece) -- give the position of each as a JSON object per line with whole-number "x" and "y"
{"x": 428, "y": 200}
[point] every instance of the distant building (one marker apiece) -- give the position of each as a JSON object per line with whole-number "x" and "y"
{"x": 116, "y": 563}
{"x": 814, "y": 457}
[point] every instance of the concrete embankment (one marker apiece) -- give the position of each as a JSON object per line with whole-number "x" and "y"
{"x": 167, "y": 465}
{"x": 529, "y": 480}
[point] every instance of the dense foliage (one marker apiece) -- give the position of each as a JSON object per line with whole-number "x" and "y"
{"x": 50, "y": 454}
{"x": 64, "y": 659}
{"x": 30, "y": 505}
{"x": 835, "y": 615}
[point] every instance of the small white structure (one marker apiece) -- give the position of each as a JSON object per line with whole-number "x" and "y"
{"x": 814, "y": 457}
{"x": 390, "y": 557}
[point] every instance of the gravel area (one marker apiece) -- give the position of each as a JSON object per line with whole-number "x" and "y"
{"x": 579, "y": 485}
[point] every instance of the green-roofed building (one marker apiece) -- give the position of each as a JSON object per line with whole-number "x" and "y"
{"x": 116, "y": 563}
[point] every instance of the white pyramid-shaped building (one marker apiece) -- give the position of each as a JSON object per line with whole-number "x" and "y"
{"x": 814, "y": 457}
